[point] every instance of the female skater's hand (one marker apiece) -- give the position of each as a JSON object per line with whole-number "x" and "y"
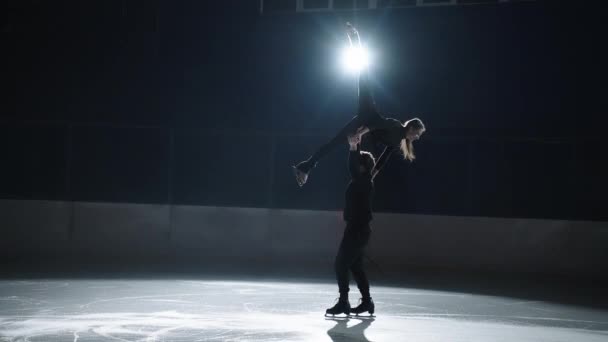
{"x": 352, "y": 34}
{"x": 350, "y": 29}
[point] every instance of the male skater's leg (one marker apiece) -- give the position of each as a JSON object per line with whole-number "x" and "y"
{"x": 356, "y": 267}
{"x": 360, "y": 277}
{"x": 345, "y": 257}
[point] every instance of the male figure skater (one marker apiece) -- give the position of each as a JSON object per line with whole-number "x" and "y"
{"x": 357, "y": 214}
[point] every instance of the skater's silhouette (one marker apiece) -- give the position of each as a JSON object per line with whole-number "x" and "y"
{"x": 357, "y": 214}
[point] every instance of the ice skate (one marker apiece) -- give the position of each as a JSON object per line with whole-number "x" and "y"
{"x": 341, "y": 307}
{"x": 364, "y": 306}
{"x": 301, "y": 171}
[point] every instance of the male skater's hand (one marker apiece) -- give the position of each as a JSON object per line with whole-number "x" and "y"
{"x": 353, "y": 141}
{"x": 362, "y": 130}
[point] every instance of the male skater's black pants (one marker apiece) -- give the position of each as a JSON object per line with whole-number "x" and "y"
{"x": 350, "y": 258}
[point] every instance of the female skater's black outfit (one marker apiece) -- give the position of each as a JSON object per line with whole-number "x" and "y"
{"x": 385, "y": 130}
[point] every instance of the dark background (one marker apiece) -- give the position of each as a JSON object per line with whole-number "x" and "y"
{"x": 210, "y": 103}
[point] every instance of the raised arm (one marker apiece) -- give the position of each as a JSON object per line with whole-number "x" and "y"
{"x": 366, "y": 100}
{"x": 354, "y": 155}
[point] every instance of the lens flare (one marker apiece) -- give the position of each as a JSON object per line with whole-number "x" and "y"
{"x": 355, "y": 58}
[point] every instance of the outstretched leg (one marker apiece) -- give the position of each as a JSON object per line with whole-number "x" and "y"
{"x": 366, "y": 115}
{"x": 350, "y": 128}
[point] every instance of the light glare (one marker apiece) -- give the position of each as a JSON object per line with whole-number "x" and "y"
{"x": 354, "y": 59}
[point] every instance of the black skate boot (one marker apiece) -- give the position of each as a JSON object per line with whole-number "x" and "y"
{"x": 365, "y": 305}
{"x": 342, "y": 306}
{"x": 301, "y": 171}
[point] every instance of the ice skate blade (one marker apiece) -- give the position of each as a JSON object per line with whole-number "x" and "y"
{"x": 362, "y": 315}
{"x": 339, "y": 315}
{"x": 301, "y": 177}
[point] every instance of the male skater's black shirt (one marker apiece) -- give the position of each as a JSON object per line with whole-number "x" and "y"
{"x": 359, "y": 192}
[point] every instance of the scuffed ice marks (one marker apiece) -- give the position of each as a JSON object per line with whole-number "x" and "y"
{"x": 157, "y": 326}
{"x": 184, "y": 310}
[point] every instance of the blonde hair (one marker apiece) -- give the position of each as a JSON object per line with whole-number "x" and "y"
{"x": 407, "y": 147}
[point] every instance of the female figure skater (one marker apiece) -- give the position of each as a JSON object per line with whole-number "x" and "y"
{"x": 388, "y": 131}
{"x": 357, "y": 214}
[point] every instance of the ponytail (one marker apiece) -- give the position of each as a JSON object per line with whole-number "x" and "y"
{"x": 407, "y": 146}
{"x": 408, "y": 149}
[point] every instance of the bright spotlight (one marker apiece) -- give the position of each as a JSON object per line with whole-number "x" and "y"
{"x": 355, "y": 58}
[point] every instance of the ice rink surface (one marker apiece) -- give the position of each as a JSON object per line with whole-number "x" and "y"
{"x": 260, "y": 310}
